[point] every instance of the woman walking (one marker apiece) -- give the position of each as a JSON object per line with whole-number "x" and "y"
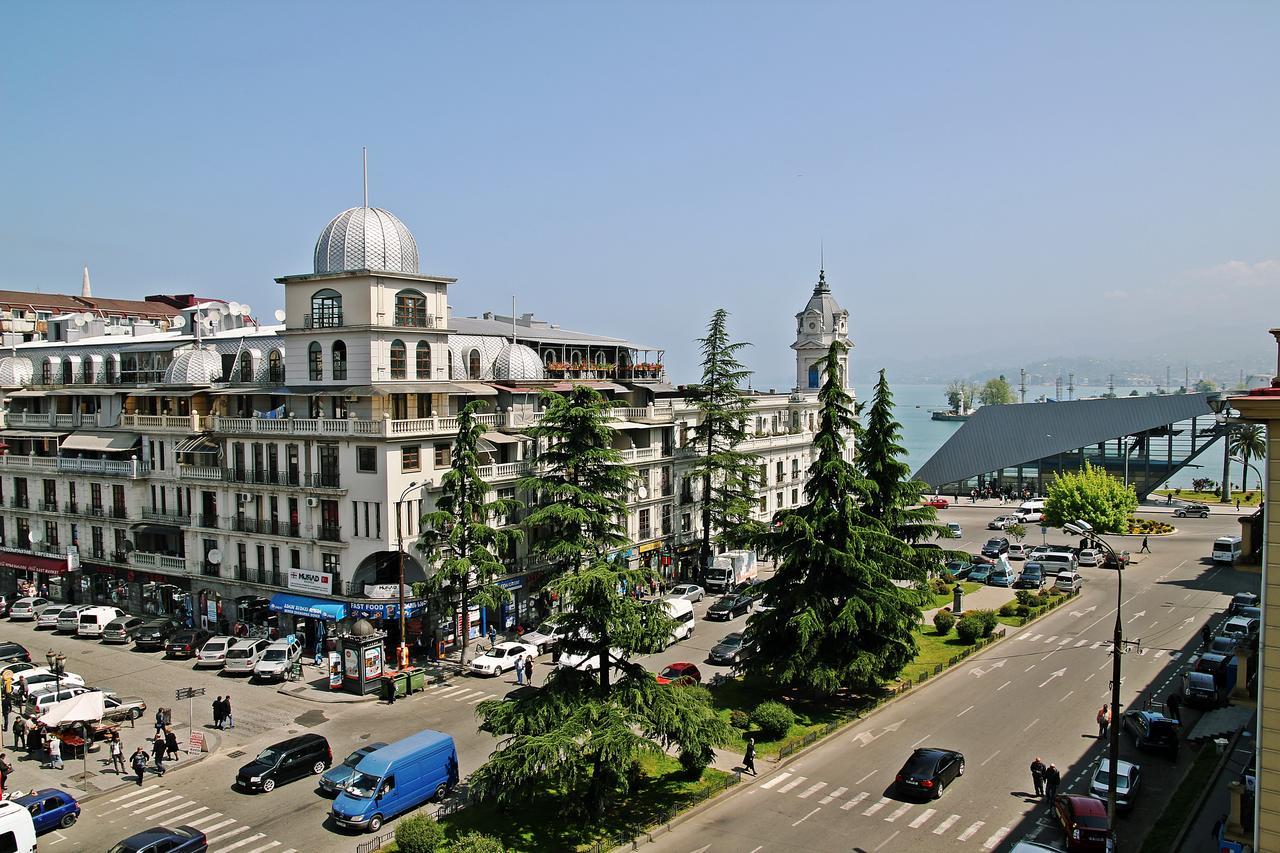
{"x": 171, "y": 744}
{"x": 117, "y": 754}
{"x": 157, "y": 753}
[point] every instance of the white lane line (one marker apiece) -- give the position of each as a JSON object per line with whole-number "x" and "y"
{"x": 775, "y": 780}
{"x": 945, "y": 825}
{"x": 865, "y": 778}
{"x": 242, "y": 842}
{"x": 1091, "y": 675}
{"x": 1030, "y": 724}
{"x": 994, "y": 841}
{"x": 264, "y": 847}
{"x": 1105, "y": 664}
{"x": 855, "y": 801}
{"x": 1003, "y": 686}
{"x": 1064, "y": 641}
{"x": 758, "y": 849}
{"x": 452, "y": 691}
{"x": 793, "y": 783}
{"x": 811, "y": 790}
{"x": 816, "y": 809}
{"x": 887, "y": 840}
{"x": 917, "y": 743}
{"x": 468, "y": 695}
{"x": 966, "y": 710}
{"x": 1028, "y": 669}
{"x": 182, "y": 818}
{"x": 164, "y": 812}
{"x": 988, "y": 758}
{"x": 1035, "y": 637}
{"x": 1159, "y": 654}
{"x": 922, "y": 819}
{"x": 875, "y": 807}
{"x": 1064, "y": 698}
{"x": 133, "y": 794}
{"x": 136, "y": 802}
{"x": 968, "y": 833}
{"x": 836, "y": 794}
{"x": 1051, "y": 639}
{"x": 204, "y": 819}
{"x": 158, "y": 803}
{"x": 479, "y": 699}
{"x": 1080, "y": 643}
{"x": 899, "y": 812}
{"x": 235, "y": 830}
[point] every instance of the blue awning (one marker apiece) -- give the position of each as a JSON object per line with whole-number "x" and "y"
{"x": 312, "y": 608}
{"x": 384, "y": 609}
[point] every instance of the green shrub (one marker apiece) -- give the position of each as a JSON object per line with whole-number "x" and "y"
{"x": 739, "y": 719}
{"x": 969, "y": 629}
{"x": 1022, "y": 610}
{"x": 474, "y": 842}
{"x": 943, "y": 621}
{"x": 693, "y": 762}
{"x": 420, "y": 834}
{"x": 989, "y": 621}
{"x": 1009, "y": 608}
{"x": 773, "y": 720}
{"x": 1025, "y": 597}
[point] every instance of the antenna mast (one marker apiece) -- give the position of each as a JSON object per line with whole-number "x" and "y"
{"x": 1022, "y": 385}
{"x": 365, "y": 156}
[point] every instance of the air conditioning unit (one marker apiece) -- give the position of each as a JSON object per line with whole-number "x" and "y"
{"x": 243, "y": 497}
{"x": 313, "y": 502}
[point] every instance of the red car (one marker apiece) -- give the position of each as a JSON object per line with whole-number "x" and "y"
{"x": 1084, "y": 820}
{"x": 682, "y": 674}
{"x": 937, "y": 503}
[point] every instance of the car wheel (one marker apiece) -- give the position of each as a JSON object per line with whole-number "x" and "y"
{"x": 375, "y": 823}
{"x": 135, "y": 714}
{"x": 960, "y": 772}
{"x": 442, "y": 791}
{"x": 937, "y": 790}
{"x": 67, "y": 821}
{"x": 268, "y": 786}
{"x": 318, "y": 768}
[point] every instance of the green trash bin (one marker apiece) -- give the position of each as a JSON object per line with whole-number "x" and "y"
{"x": 417, "y": 679}
{"x": 402, "y": 684}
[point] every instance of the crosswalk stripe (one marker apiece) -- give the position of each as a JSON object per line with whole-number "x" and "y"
{"x": 183, "y": 817}
{"x": 1051, "y": 639}
{"x": 968, "y": 833}
{"x": 945, "y": 825}
{"x": 996, "y": 838}
{"x": 450, "y": 691}
{"x": 205, "y": 819}
{"x": 136, "y": 793}
{"x": 163, "y": 812}
{"x": 793, "y": 783}
{"x": 833, "y": 795}
{"x": 264, "y": 847}
{"x": 811, "y": 790}
{"x": 899, "y": 812}
{"x": 1080, "y": 643}
{"x": 923, "y": 819}
{"x": 138, "y": 801}
{"x": 875, "y": 807}
{"x": 854, "y": 801}
{"x": 468, "y": 695}
{"x": 1159, "y": 653}
{"x": 775, "y": 780}
{"x": 1064, "y": 641}
{"x": 242, "y": 842}
{"x": 235, "y": 830}
{"x": 1035, "y": 637}
{"x": 158, "y": 803}
{"x": 479, "y": 699}
{"x": 1098, "y": 644}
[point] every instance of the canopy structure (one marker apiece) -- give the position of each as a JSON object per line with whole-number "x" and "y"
{"x": 99, "y": 442}
{"x": 86, "y": 708}
{"x": 303, "y": 605}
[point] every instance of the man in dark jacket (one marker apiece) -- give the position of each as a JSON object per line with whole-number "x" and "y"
{"x": 1051, "y": 780}
{"x": 1037, "y": 776}
{"x": 139, "y": 763}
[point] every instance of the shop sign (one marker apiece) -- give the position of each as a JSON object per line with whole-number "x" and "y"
{"x": 73, "y": 558}
{"x": 305, "y": 581}
{"x": 380, "y": 610}
{"x": 33, "y": 562}
{"x": 372, "y": 662}
{"x": 649, "y": 546}
{"x": 511, "y": 583}
{"x": 385, "y": 590}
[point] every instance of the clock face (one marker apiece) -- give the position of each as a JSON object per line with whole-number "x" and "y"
{"x": 811, "y": 325}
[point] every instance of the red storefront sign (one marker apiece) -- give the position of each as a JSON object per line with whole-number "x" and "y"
{"x": 33, "y": 563}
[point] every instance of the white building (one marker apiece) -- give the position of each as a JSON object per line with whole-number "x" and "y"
{"x": 255, "y": 473}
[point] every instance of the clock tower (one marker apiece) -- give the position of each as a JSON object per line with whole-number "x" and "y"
{"x": 821, "y": 323}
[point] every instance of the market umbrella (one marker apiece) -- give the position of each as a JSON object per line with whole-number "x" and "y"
{"x": 85, "y": 708}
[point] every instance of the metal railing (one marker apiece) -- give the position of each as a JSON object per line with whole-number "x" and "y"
{"x": 167, "y": 517}
{"x": 260, "y": 575}
{"x": 265, "y": 526}
{"x": 329, "y": 533}
{"x": 323, "y": 319}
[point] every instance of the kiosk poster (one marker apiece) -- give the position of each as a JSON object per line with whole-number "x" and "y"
{"x": 372, "y": 662}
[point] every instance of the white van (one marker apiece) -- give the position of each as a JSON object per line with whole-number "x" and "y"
{"x": 17, "y": 828}
{"x": 1057, "y": 562}
{"x": 94, "y": 619}
{"x": 1226, "y": 549}
{"x": 1031, "y": 511}
{"x": 681, "y": 611}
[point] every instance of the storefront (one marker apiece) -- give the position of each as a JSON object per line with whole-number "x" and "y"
{"x": 46, "y": 575}
{"x": 143, "y": 593}
{"x": 311, "y": 620}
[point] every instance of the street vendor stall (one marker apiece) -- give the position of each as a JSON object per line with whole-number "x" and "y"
{"x": 77, "y": 722}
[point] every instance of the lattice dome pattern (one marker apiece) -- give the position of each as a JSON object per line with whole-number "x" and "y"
{"x": 194, "y": 367}
{"x": 16, "y": 371}
{"x": 366, "y": 238}
{"x": 517, "y": 363}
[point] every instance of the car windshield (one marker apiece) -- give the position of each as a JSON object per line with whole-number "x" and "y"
{"x": 273, "y": 654}
{"x": 363, "y": 786}
{"x": 732, "y": 640}
{"x": 215, "y": 645}
{"x": 268, "y": 756}
{"x": 354, "y": 758}
{"x": 672, "y": 672}
{"x": 1104, "y": 778}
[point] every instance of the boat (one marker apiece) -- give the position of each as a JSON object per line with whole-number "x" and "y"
{"x": 944, "y": 415}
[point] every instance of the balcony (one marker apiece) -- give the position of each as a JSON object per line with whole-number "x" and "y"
{"x": 118, "y": 511}
{"x": 185, "y": 424}
{"x": 412, "y": 319}
{"x": 71, "y": 508}
{"x": 19, "y": 502}
{"x": 211, "y": 570}
{"x": 385, "y": 428}
{"x": 260, "y": 575}
{"x": 322, "y": 320}
{"x": 48, "y": 506}
{"x": 265, "y": 526}
{"x": 179, "y": 518}
{"x": 330, "y": 533}
{"x": 148, "y": 560}
{"x": 209, "y": 522}
{"x": 132, "y": 469}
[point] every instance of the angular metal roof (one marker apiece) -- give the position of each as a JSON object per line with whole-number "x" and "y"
{"x": 999, "y": 437}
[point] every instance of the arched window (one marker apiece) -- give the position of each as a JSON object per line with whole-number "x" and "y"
{"x": 548, "y": 357}
{"x": 46, "y": 372}
{"x": 109, "y": 369}
{"x": 411, "y": 309}
{"x": 398, "y": 366}
{"x": 473, "y": 364}
{"x": 315, "y": 361}
{"x": 246, "y": 367}
{"x": 68, "y": 371}
{"x": 423, "y": 366}
{"x": 813, "y": 376}
{"x": 339, "y": 360}
{"x": 326, "y": 309}
{"x": 275, "y": 367}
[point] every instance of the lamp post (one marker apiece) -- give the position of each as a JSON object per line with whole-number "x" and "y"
{"x": 402, "y": 657}
{"x": 1222, "y": 414}
{"x": 57, "y": 665}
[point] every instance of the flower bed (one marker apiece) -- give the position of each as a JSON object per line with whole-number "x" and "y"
{"x": 1149, "y": 527}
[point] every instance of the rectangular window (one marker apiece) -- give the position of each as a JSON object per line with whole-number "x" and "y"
{"x": 764, "y": 503}
{"x": 686, "y": 522}
{"x": 355, "y": 519}
{"x": 645, "y": 529}
{"x": 377, "y": 521}
{"x": 295, "y": 558}
{"x": 24, "y": 534}
{"x": 764, "y": 475}
{"x": 120, "y": 540}
{"x": 781, "y": 498}
{"x": 795, "y": 469}
{"x": 95, "y": 498}
{"x": 795, "y": 497}
{"x": 20, "y": 493}
{"x": 51, "y": 535}
{"x": 780, "y": 470}
{"x": 262, "y": 556}
{"x": 51, "y": 495}
{"x": 330, "y": 563}
{"x": 409, "y": 458}
{"x": 367, "y": 460}
{"x": 99, "y": 544}
{"x": 442, "y": 455}
{"x": 666, "y": 481}
{"x": 666, "y": 519}
{"x": 242, "y": 555}
{"x": 367, "y": 530}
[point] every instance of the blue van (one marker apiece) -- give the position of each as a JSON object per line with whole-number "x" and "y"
{"x": 397, "y": 778}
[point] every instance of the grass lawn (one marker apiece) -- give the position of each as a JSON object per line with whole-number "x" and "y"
{"x": 743, "y": 694}
{"x": 943, "y": 599}
{"x": 935, "y": 649}
{"x": 1254, "y": 496}
{"x": 549, "y": 823}
{"x": 1162, "y": 834}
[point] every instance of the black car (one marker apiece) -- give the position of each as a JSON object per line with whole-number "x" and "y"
{"x": 1152, "y": 731}
{"x": 14, "y": 651}
{"x": 162, "y": 839}
{"x": 1241, "y": 600}
{"x": 752, "y": 589}
{"x": 729, "y": 606}
{"x": 155, "y": 633}
{"x": 728, "y": 651}
{"x": 304, "y": 755}
{"x": 995, "y": 546}
{"x": 928, "y": 771}
{"x": 1031, "y": 577}
{"x": 1202, "y": 690}
{"x": 187, "y": 642}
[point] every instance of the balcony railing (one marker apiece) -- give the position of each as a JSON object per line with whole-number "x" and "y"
{"x": 149, "y": 560}
{"x": 48, "y": 506}
{"x": 330, "y": 533}
{"x": 322, "y": 480}
{"x": 322, "y": 320}
{"x": 166, "y": 517}
{"x": 386, "y": 428}
{"x": 132, "y": 469}
{"x": 260, "y": 575}
{"x": 19, "y": 502}
{"x": 265, "y": 526}
{"x": 71, "y": 508}
{"x": 187, "y": 424}
{"x": 207, "y": 521}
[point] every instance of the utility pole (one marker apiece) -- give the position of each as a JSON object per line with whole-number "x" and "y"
{"x": 1111, "y": 384}
{"x": 1071, "y": 386}
{"x": 1022, "y": 385}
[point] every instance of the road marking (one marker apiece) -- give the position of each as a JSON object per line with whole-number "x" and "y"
{"x": 1003, "y": 686}
{"x": 989, "y": 757}
{"x": 793, "y": 783}
{"x": 1099, "y": 644}
{"x": 158, "y": 803}
{"x": 758, "y": 849}
{"x": 1035, "y": 637}
{"x": 1030, "y": 724}
{"x": 452, "y": 691}
{"x": 1091, "y": 675}
{"x": 1064, "y": 641}
{"x": 775, "y": 780}
{"x": 875, "y": 807}
{"x": 205, "y": 819}
{"x": 265, "y": 847}
{"x": 811, "y": 790}
{"x": 809, "y": 815}
{"x": 865, "y": 778}
{"x": 136, "y": 802}
{"x": 837, "y": 793}
{"x": 922, "y": 819}
{"x": 887, "y": 840}
{"x": 164, "y": 812}
{"x": 996, "y": 838}
{"x": 236, "y": 830}
{"x": 242, "y": 842}
{"x": 899, "y": 812}
{"x": 136, "y": 793}
{"x": 1028, "y": 669}
{"x": 966, "y": 710}
{"x": 917, "y": 743}
{"x": 945, "y": 825}
{"x": 1064, "y": 698}
{"x": 1051, "y": 639}
{"x": 968, "y": 833}
{"x": 479, "y": 699}
{"x": 183, "y": 817}
{"x": 1080, "y": 643}
{"x": 854, "y": 801}
{"x": 1105, "y": 664}
{"x": 468, "y": 695}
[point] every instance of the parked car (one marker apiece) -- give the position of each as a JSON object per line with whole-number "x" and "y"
{"x": 730, "y": 606}
{"x": 276, "y": 661}
{"x": 954, "y": 530}
{"x": 1152, "y": 731}
{"x": 1192, "y": 511}
{"x": 980, "y": 573}
{"x": 123, "y": 629}
{"x": 937, "y": 503}
{"x": 928, "y": 771}
{"x": 14, "y": 652}
{"x": 687, "y": 591}
{"x": 682, "y": 674}
{"x": 1128, "y": 781}
{"x": 1001, "y": 575}
{"x": 1118, "y": 560}
{"x": 959, "y": 569}
{"x": 1068, "y": 582}
{"x": 546, "y": 636}
{"x": 1202, "y": 690}
{"x": 26, "y": 609}
{"x": 187, "y": 643}
{"x": 1213, "y": 663}
{"x": 69, "y": 618}
{"x": 1240, "y": 627}
{"x": 47, "y": 616}
{"x": 1241, "y": 600}
{"x": 51, "y": 808}
{"x": 155, "y": 633}
{"x": 1031, "y": 577}
{"x": 729, "y": 651}
{"x": 1084, "y": 820}
{"x": 242, "y": 657}
{"x": 213, "y": 652}
{"x": 16, "y": 667}
{"x": 1002, "y": 522}
{"x": 1019, "y": 551}
{"x": 337, "y": 778}
{"x": 590, "y": 661}
{"x": 122, "y": 707}
{"x": 163, "y": 839}
{"x": 285, "y": 761}
{"x": 1224, "y": 644}
{"x": 33, "y": 679}
{"x": 501, "y": 658}
{"x": 995, "y": 546}
{"x": 1088, "y": 557}
{"x": 39, "y": 702}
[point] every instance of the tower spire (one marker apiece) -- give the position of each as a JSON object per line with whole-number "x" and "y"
{"x": 84, "y": 284}
{"x": 364, "y": 151}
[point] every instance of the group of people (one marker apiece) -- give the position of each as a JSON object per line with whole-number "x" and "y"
{"x": 1045, "y": 779}
{"x": 524, "y": 669}
{"x": 222, "y": 716}
{"x": 1003, "y": 495}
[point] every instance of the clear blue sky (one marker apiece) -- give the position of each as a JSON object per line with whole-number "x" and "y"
{"x": 979, "y": 172}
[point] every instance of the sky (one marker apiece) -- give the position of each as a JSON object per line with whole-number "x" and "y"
{"x": 982, "y": 180}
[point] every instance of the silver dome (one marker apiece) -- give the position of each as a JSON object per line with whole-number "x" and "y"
{"x": 366, "y": 238}
{"x": 194, "y": 367}
{"x": 16, "y": 371}
{"x": 517, "y": 363}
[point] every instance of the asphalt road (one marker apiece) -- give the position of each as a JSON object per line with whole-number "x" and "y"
{"x": 1034, "y": 693}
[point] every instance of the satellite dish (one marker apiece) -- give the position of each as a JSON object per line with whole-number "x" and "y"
{"x": 36, "y": 537}
{"x": 234, "y": 308}
{"x": 245, "y": 310}
{"x": 215, "y": 313}
{"x": 79, "y": 320}
{"x": 279, "y": 315}
{"x": 88, "y": 316}
{"x": 642, "y": 493}
{"x": 214, "y": 556}
{"x": 207, "y": 322}
{"x": 177, "y": 322}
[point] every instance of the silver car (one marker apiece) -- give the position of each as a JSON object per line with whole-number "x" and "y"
{"x": 47, "y": 616}
{"x": 214, "y": 652}
{"x": 243, "y": 656}
{"x": 687, "y": 591}
{"x": 27, "y": 608}
{"x": 69, "y": 618}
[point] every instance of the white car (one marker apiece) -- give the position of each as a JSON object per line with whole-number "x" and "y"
{"x": 42, "y": 678}
{"x": 38, "y": 703}
{"x": 214, "y": 651}
{"x": 69, "y": 618}
{"x": 1018, "y": 551}
{"x": 546, "y": 636}
{"x": 1087, "y": 557}
{"x": 27, "y": 608}
{"x": 47, "y": 616}
{"x": 589, "y": 662}
{"x": 276, "y": 661}
{"x": 243, "y": 656}
{"x": 1002, "y": 522}
{"x": 501, "y": 658}
{"x": 1068, "y": 581}
{"x": 687, "y": 591}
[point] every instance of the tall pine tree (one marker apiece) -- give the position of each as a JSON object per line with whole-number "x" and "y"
{"x": 458, "y": 534}
{"x": 728, "y": 475}
{"x": 838, "y": 621}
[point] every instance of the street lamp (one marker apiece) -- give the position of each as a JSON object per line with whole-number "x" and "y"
{"x": 1222, "y": 414}
{"x": 1085, "y": 529}
{"x": 57, "y": 665}
{"x": 403, "y": 654}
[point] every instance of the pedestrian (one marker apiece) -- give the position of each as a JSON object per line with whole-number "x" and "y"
{"x": 157, "y": 753}
{"x": 159, "y": 720}
{"x": 227, "y": 717}
{"x": 5, "y": 769}
{"x": 528, "y": 669}
{"x": 139, "y": 762}
{"x": 117, "y": 754}
{"x": 520, "y": 669}
{"x": 1174, "y": 704}
{"x": 1237, "y": 504}
{"x": 1051, "y": 779}
{"x": 1037, "y": 776}
{"x": 6, "y": 708}
{"x": 1206, "y": 633}
{"x": 1145, "y": 549}
{"x": 19, "y": 731}
{"x": 1104, "y": 720}
{"x": 55, "y": 753}
{"x": 171, "y": 744}
{"x": 493, "y": 636}
{"x": 217, "y": 712}
{"x": 749, "y": 758}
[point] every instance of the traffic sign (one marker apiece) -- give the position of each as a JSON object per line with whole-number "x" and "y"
{"x": 188, "y": 692}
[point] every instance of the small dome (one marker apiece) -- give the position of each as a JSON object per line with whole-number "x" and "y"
{"x": 366, "y": 238}
{"x": 194, "y": 367}
{"x": 16, "y": 371}
{"x": 517, "y": 363}
{"x": 363, "y": 628}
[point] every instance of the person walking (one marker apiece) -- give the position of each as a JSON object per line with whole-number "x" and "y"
{"x": 1145, "y": 549}
{"x": 749, "y": 758}
{"x": 157, "y": 753}
{"x": 5, "y": 770}
{"x": 19, "y": 731}
{"x": 1174, "y": 704}
{"x": 6, "y": 708}
{"x": 1037, "y": 776}
{"x": 1051, "y": 780}
{"x": 1206, "y": 633}
{"x": 493, "y": 636}
{"x": 117, "y": 755}
{"x": 159, "y": 720}
{"x": 217, "y": 712}
{"x": 1104, "y": 721}
{"x": 520, "y": 669}
{"x": 171, "y": 744}
{"x": 55, "y": 753}
{"x": 138, "y": 761}
{"x": 528, "y": 670}
{"x": 228, "y": 718}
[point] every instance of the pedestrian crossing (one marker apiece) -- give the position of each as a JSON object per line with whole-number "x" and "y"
{"x": 153, "y": 802}
{"x": 1062, "y": 642}
{"x": 916, "y": 816}
{"x": 462, "y": 693}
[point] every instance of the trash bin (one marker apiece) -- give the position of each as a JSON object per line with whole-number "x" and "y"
{"x": 402, "y": 684}
{"x": 417, "y": 679}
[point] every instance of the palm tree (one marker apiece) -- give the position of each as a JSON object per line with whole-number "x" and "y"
{"x": 1248, "y": 441}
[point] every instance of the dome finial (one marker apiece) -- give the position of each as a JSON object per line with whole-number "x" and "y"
{"x": 364, "y": 152}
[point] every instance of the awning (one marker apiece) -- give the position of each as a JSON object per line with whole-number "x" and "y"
{"x": 27, "y": 392}
{"x": 99, "y": 442}
{"x": 504, "y": 438}
{"x": 620, "y": 425}
{"x": 254, "y": 392}
{"x": 159, "y": 392}
{"x": 661, "y": 386}
{"x": 594, "y": 384}
{"x": 384, "y": 609}
{"x": 88, "y": 707}
{"x": 156, "y": 528}
{"x": 33, "y": 562}
{"x": 312, "y": 608}
{"x": 28, "y": 433}
{"x": 197, "y": 444}
{"x": 477, "y": 389}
